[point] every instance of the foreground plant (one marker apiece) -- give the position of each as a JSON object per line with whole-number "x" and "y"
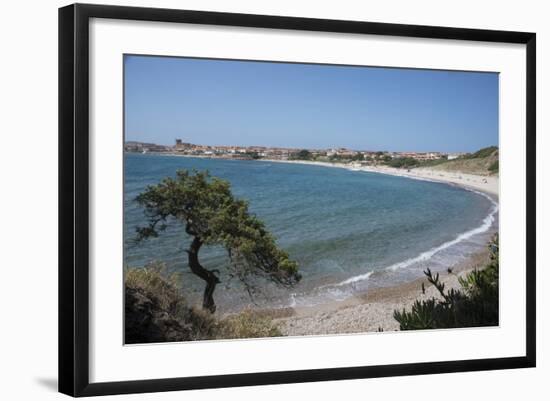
{"x": 474, "y": 305}
{"x": 156, "y": 311}
{"x": 209, "y": 213}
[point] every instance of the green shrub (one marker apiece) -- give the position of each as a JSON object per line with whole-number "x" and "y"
{"x": 346, "y": 158}
{"x": 481, "y": 153}
{"x": 433, "y": 162}
{"x": 302, "y": 155}
{"x": 402, "y": 162}
{"x": 474, "y": 305}
{"x": 159, "y": 312}
{"x": 493, "y": 168}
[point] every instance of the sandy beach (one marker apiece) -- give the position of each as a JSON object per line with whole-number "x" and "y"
{"x": 373, "y": 311}
{"x": 487, "y": 184}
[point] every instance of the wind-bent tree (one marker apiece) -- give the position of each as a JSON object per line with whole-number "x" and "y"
{"x": 211, "y": 215}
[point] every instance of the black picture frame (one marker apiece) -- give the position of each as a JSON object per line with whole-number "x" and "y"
{"x": 74, "y": 200}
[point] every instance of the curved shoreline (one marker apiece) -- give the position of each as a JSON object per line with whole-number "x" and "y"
{"x": 372, "y": 310}
{"x": 424, "y": 257}
{"x": 369, "y": 311}
{"x": 489, "y": 191}
{"x": 486, "y": 184}
{"x": 365, "y": 310}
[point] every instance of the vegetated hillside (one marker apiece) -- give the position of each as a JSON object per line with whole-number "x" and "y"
{"x": 156, "y": 311}
{"x": 482, "y": 162}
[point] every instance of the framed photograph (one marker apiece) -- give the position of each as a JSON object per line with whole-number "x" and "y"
{"x": 251, "y": 199}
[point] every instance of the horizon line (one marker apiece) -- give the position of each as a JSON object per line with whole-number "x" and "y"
{"x": 311, "y": 148}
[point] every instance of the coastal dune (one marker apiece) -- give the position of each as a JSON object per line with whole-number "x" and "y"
{"x": 488, "y": 184}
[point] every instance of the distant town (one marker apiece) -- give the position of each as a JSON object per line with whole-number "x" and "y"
{"x": 363, "y": 157}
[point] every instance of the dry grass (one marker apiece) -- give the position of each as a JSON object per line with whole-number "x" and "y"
{"x": 156, "y": 281}
{"x": 248, "y": 324}
{"x": 166, "y": 290}
{"x": 479, "y": 166}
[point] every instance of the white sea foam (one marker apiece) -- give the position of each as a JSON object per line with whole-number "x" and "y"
{"x": 292, "y": 303}
{"x": 355, "y": 279}
{"x": 333, "y": 292}
{"x": 424, "y": 256}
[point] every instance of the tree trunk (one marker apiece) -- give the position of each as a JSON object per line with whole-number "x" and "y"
{"x": 211, "y": 279}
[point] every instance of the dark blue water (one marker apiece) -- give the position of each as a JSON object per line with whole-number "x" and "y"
{"x": 348, "y": 230}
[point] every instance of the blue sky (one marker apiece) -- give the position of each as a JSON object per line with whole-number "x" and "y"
{"x": 219, "y": 102}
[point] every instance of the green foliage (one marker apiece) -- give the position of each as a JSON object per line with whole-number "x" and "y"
{"x": 164, "y": 290}
{"x": 482, "y": 153}
{"x": 493, "y": 168}
{"x": 410, "y": 162}
{"x": 205, "y": 206}
{"x": 302, "y": 155}
{"x": 347, "y": 158}
{"x": 253, "y": 155}
{"x": 474, "y": 305}
{"x": 431, "y": 163}
{"x": 402, "y": 162}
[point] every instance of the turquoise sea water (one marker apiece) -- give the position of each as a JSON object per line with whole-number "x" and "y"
{"x": 348, "y": 230}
